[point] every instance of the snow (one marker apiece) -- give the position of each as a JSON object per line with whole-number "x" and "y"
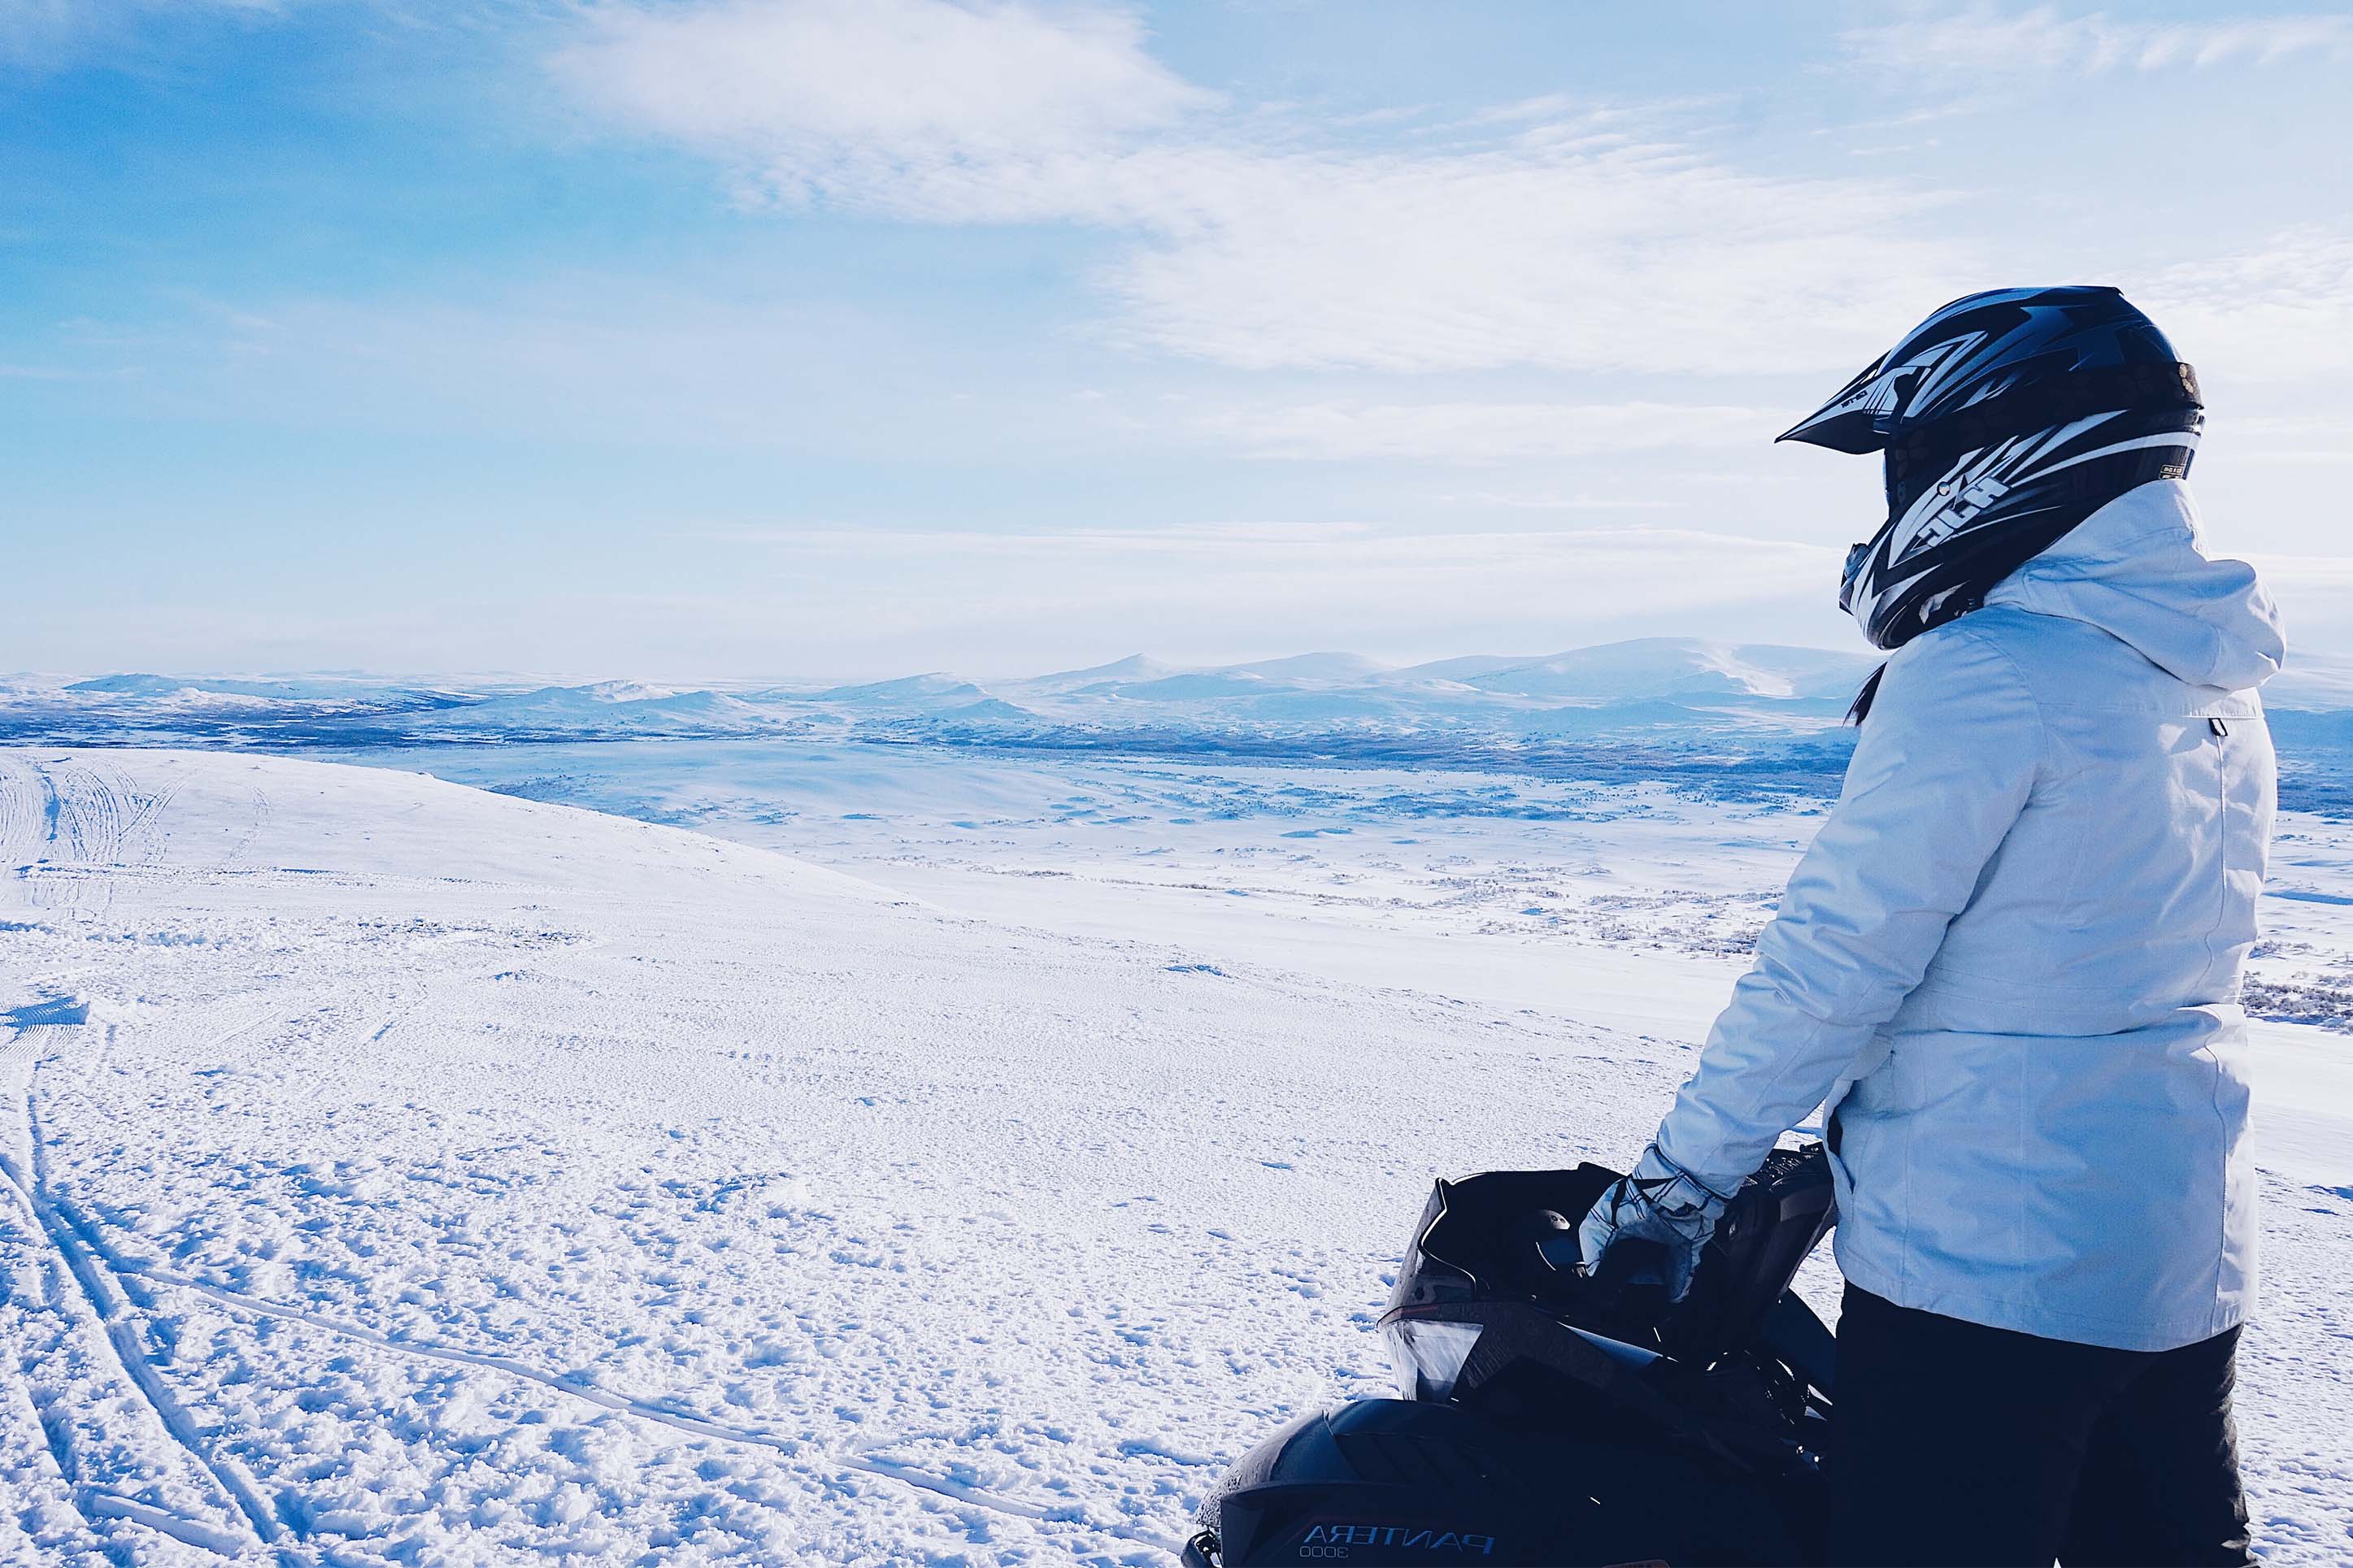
{"x": 402, "y": 1172}
{"x": 1134, "y": 667}
{"x": 911, "y": 688}
{"x": 1317, "y": 667}
{"x": 1690, "y": 695}
{"x": 1681, "y": 666}
{"x": 608, "y": 706}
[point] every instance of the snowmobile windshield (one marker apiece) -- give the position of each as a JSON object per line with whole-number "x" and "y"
{"x": 1426, "y": 1354}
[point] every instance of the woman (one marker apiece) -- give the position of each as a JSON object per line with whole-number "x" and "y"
{"x": 2010, "y": 962}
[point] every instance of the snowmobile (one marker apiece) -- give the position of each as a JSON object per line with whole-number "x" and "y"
{"x": 1548, "y": 1417}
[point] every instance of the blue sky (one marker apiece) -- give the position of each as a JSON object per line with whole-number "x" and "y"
{"x": 840, "y": 337}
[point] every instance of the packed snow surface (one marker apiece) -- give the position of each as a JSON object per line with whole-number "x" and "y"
{"x": 398, "y": 1172}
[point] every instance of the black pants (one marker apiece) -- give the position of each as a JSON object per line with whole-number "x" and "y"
{"x": 1958, "y": 1443}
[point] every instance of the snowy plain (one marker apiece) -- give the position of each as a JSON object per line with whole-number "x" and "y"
{"x": 831, "y": 1152}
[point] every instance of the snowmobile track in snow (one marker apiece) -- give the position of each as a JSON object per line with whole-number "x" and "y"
{"x": 107, "y": 1309}
{"x": 679, "y": 1420}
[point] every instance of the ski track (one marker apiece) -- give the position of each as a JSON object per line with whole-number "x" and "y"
{"x": 103, "y": 1301}
{"x": 92, "y": 829}
{"x": 503, "y": 1181}
{"x": 101, "y": 1289}
{"x": 694, "y": 1425}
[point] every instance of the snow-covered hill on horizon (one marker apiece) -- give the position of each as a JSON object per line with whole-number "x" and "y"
{"x": 1682, "y": 667}
{"x": 1753, "y": 716}
{"x": 1717, "y": 681}
{"x": 1319, "y": 697}
{"x": 1646, "y": 668}
{"x": 609, "y": 707}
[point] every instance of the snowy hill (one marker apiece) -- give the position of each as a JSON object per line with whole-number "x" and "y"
{"x": 1119, "y": 672}
{"x": 406, "y": 1174}
{"x": 1756, "y": 715}
{"x": 158, "y": 690}
{"x": 320, "y": 689}
{"x": 1681, "y": 667}
{"x": 612, "y": 707}
{"x": 1198, "y": 686}
{"x": 1458, "y": 670}
{"x": 1323, "y": 668}
{"x": 913, "y": 691}
{"x": 131, "y": 685}
{"x": 470, "y": 1179}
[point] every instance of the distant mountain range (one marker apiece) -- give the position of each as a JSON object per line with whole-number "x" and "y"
{"x": 1674, "y": 691}
{"x": 1307, "y": 689}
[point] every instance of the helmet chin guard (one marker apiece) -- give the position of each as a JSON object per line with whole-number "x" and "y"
{"x": 1954, "y": 530}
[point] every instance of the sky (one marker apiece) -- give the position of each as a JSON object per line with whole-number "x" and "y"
{"x": 763, "y": 338}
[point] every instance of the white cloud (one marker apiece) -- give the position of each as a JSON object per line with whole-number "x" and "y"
{"x": 1549, "y": 238}
{"x": 636, "y": 360}
{"x": 1552, "y": 500}
{"x": 2280, "y": 311}
{"x": 852, "y": 601}
{"x": 841, "y": 97}
{"x": 2333, "y": 573}
{"x": 1245, "y": 589}
{"x": 46, "y": 35}
{"x": 1542, "y": 234}
{"x": 1985, "y": 39}
{"x": 1479, "y": 432}
{"x": 1241, "y": 568}
{"x": 1633, "y": 256}
{"x": 2285, "y": 440}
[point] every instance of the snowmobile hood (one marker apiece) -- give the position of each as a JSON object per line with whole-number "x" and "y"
{"x": 2138, "y": 570}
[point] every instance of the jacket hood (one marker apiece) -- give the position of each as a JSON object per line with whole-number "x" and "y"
{"x": 2137, "y": 569}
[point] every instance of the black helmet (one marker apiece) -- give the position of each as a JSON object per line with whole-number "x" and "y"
{"x": 2001, "y": 364}
{"x": 2006, "y": 418}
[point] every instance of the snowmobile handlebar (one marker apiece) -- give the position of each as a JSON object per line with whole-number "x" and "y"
{"x": 1517, "y": 1371}
{"x": 1496, "y": 1237}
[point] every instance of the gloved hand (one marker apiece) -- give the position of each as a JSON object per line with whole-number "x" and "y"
{"x": 1659, "y": 1202}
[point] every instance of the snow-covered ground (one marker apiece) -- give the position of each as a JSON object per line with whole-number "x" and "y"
{"x": 1630, "y": 905}
{"x": 404, "y": 1172}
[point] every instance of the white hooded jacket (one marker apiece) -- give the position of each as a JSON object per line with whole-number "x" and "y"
{"x": 2010, "y": 960}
